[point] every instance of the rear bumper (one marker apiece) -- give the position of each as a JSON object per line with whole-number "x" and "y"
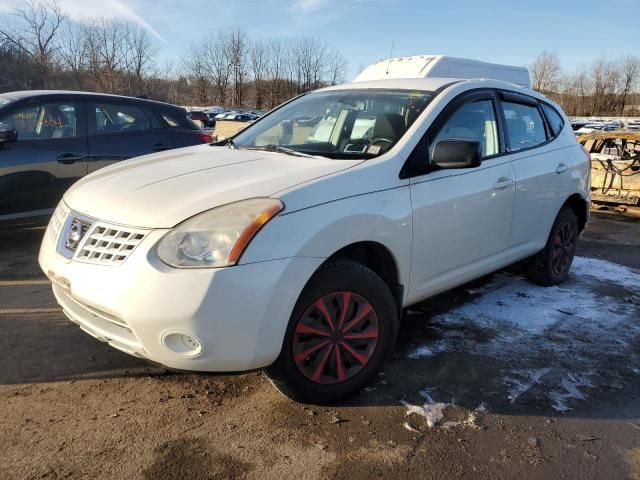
{"x": 238, "y": 314}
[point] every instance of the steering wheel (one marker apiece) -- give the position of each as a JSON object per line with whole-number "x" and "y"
{"x": 381, "y": 139}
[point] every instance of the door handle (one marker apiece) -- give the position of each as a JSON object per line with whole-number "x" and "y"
{"x": 160, "y": 147}
{"x": 561, "y": 168}
{"x": 502, "y": 183}
{"x": 69, "y": 158}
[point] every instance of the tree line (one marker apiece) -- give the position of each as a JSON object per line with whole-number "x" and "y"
{"x": 42, "y": 48}
{"x": 607, "y": 87}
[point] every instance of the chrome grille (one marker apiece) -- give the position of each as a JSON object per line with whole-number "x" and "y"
{"x": 107, "y": 244}
{"x": 57, "y": 221}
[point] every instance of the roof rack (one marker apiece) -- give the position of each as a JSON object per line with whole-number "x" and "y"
{"x": 442, "y": 66}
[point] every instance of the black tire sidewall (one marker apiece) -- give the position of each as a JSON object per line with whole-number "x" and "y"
{"x": 565, "y": 215}
{"x": 336, "y": 277}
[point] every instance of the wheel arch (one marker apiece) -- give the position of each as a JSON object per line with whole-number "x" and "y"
{"x": 580, "y": 207}
{"x": 378, "y": 258}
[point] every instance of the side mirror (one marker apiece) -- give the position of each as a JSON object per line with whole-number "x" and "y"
{"x": 7, "y": 135}
{"x": 457, "y": 153}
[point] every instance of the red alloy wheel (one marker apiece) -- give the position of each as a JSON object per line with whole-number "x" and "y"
{"x": 563, "y": 245}
{"x": 335, "y": 338}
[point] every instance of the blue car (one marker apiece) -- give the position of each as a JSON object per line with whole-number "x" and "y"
{"x": 49, "y": 139}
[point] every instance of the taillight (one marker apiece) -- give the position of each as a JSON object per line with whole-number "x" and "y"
{"x": 205, "y": 138}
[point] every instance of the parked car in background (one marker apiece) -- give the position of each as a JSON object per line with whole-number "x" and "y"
{"x": 287, "y": 249}
{"x": 240, "y": 117}
{"x": 212, "y": 119}
{"x": 633, "y": 125}
{"x": 213, "y": 109}
{"x": 50, "y": 139}
{"x": 200, "y": 116}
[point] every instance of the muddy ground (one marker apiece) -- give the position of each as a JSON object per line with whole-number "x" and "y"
{"x": 496, "y": 379}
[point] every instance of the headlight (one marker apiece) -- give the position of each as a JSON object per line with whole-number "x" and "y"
{"x": 217, "y": 238}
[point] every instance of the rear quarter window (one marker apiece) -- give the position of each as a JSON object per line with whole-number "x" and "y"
{"x": 554, "y": 119}
{"x": 177, "y": 119}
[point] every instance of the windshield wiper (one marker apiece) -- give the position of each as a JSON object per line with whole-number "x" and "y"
{"x": 278, "y": 148}
{"x": 227, "y": 141}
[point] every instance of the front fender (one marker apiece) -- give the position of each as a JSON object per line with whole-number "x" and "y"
{"x": 320, "y": 231}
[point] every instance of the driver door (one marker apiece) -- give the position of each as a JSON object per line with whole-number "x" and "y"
{"x": 49, "y": 155}
{"x": 462, "y": 216}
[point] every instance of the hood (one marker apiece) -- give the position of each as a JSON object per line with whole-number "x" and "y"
{"x": 162, "y": 190}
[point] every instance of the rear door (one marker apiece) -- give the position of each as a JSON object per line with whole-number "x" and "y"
{"x": 462, "y": 217}
{"x": 49, "y": 155}
{"x": 120, "y": 130}
{"x": 542, "y": 172}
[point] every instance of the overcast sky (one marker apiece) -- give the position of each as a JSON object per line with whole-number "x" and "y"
{"x": 510, "y": 32}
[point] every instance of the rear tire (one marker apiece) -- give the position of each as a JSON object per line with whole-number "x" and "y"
{"x": 551, "y": 265}
{"x": 330, "y": 352}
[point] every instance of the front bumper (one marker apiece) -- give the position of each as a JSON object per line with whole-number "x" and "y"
{"x": 238, "y": 314}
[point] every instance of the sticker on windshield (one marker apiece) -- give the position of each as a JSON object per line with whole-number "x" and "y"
{"x": 373, "y": 149}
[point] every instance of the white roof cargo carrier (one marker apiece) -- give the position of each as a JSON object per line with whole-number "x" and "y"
{"x": 441, "y": 66}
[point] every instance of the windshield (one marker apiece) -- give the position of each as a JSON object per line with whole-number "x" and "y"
{"x": 348, "y": 124}
{"x": 5, "y": 100}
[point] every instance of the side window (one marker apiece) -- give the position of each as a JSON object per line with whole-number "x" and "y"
{"x": 115, "y": 118}
{"x": 169, "y": 120}
{"x": 44, "y": 121}
{"x": 554, "y": 119}
{"x": 525, "y": 127}
{"x": 175, "y": 119}
{"x": 472, "y": 121}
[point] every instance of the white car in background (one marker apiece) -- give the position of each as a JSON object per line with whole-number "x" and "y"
{"x": 282, "y": 251}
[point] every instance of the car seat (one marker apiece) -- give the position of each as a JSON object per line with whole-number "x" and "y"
{"x": 518, "y": 137}
{"x": 389, "y": 125}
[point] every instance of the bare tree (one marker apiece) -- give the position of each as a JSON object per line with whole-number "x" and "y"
{"x": 606, "y": 78}
{"x": 337, "y": 66}
{"x": 197, "y": 70}
{"x": 73, "y": 50}
{"x": 139, "y": 53}
{"x": 237, "y": 47}
{"x": 34, "y": 32}
{"x": 545, "y": 72}
{"x": 576, "y": 93}
{"x": 630, "y": 76}
{"x": 258, "y": 55}
{"x": 218, "y": 62}
{"x": 276, "y": 64}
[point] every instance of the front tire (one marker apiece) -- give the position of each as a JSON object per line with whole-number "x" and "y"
{"x": 340, "y": 333}
{"x": 551, "y": 265}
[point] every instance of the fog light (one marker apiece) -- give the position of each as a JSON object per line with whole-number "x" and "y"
{"x": 186, "y": 345}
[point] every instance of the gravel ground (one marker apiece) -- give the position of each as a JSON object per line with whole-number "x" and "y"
{"x": 495, "y": 379}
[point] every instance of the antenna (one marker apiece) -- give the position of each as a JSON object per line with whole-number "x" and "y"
{"x": 390, "y": 55}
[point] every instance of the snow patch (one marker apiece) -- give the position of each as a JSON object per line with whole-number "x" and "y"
{"x": 428, "y": 350}
{"x": 604, "y": 271}
{"x": 410, "y": 428}
{"x": 530, "y": 378}
{"x": 570, "y": 385}
{"x": 432, "y": 411}
{"x": 558, "y": 330}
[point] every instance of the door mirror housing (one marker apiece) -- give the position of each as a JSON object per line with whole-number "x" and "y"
{"x": 8, "y": 135}
{"x": 457, "y": 153}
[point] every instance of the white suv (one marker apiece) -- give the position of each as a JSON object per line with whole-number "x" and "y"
{"x": 296, "y": 246}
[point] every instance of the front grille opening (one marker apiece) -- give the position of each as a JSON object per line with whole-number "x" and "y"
{"x": 108, "y": 245}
